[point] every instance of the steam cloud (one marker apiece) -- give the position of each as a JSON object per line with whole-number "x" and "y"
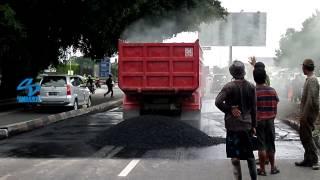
{"x": 144, "y": 31}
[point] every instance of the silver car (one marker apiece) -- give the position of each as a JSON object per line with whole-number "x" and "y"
{"x": 64, "y": 90}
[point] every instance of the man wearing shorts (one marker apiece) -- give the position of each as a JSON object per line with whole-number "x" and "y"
{"x": 267, "y": 102}
{"x": 237, "y": 100}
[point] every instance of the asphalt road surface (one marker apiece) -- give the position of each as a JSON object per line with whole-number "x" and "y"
{"x": 20, "y": 114}
{"x": 63, "y": 151}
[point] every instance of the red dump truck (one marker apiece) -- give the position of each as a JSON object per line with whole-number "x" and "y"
{"x": 161, "y": 77}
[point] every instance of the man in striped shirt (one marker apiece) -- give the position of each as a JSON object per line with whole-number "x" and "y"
{"x": 267, "y": 101}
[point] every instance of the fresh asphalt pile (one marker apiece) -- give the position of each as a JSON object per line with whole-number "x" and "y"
{"x": 154, "y": 132}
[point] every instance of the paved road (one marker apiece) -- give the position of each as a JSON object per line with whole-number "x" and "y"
{"x": 19, "y": 115}
{"x": 64, "y": 151}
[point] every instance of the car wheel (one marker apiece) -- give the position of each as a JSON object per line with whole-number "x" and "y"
{"x": 89, "y": 102}
{"x": 75, "y": 105}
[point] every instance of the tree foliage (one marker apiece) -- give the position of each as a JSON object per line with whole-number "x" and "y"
{"x": 295, "y": 46}
{"x": 35, "y": 33}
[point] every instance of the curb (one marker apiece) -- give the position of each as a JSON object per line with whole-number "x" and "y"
{"x": 296, "y": 125}
{"x": 18, "y": 128}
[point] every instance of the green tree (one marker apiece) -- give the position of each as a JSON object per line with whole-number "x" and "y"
{"x": 114, "y": 71}
{"x": 63, "y": 68}
{"x": 36, "y": 33}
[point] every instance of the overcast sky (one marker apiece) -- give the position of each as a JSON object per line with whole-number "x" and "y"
{"x": 281, "y": 15}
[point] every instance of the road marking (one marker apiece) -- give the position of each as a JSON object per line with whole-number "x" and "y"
{"x": 102, "y": 152}
{"x": 129, "y": 168}
{"x": 9, "y": 112}
{"x": 114, "y": 152}
{"x": 107, "y": 152}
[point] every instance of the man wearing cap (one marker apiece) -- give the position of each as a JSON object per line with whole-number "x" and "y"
{"x": 237, "y": 100}
{"x": 309, "y": 113}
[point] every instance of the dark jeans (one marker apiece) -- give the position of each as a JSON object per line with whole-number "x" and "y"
{"x": 306, "y": 128}
{"x": 110, "y": 89}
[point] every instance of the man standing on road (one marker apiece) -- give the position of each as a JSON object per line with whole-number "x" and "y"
{"x": 267, "y": 101}
{"x": 237, "y": 100}
{"x": 309, "y": 114}
{"x": 260, "y": 65}
{"x": 109, "y": 84}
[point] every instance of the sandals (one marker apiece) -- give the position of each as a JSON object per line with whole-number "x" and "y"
{"x": 258, "y": 162}
{"x": 275, "y": 171}
{"x": 261, "y": 172}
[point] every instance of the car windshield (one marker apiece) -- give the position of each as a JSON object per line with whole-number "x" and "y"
{"x": 57, "y": 81}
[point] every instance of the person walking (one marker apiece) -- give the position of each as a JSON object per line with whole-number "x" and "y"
{"x": 309, "y": 113}
{"x": 267, "y": 101}
{"x": 237, "y": 100}
{"x": 109, "y": 83}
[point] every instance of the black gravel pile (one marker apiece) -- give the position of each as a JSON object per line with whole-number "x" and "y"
{"x": 154, "y": 132}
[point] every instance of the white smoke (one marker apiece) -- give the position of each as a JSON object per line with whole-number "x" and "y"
{"x": 143, "y": 31}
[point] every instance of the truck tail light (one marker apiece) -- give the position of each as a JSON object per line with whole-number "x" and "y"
{"x": 68, "y": 90}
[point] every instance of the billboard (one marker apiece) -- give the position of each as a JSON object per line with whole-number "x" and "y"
{"x": 28, "y": 91}
{"x": 237, "y": 29}
{"x": 105, "y": 67}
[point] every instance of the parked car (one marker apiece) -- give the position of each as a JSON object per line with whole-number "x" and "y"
{"x": 65, "y": 91}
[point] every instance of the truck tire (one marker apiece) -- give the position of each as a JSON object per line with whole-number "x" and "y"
{"x": 127, "y": 114}
{"x": 192, "y": 118}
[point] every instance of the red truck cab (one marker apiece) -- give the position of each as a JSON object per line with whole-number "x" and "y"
{"x": 161, "y": 77}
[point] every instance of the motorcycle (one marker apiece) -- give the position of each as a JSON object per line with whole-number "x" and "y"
{"x": 97, "y": 83}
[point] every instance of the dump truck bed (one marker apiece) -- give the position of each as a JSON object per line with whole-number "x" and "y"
{"x": 159, "y": 67}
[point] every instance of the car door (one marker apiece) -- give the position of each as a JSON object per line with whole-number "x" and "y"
{"x": 84, "y": 90}
{"x": 81, "y": 91}
{"x": 81, "y": 94}
{"x": 76, "y": 92}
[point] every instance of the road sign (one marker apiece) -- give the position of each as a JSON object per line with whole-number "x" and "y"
{"x": 105, "y": 67}
{"x": 237, "y": 29}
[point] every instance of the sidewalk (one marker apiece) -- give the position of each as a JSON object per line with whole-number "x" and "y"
{"x": 32, "y": 121}
{"x": 296, "y": 125}
{"x": 289, "y": 113}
